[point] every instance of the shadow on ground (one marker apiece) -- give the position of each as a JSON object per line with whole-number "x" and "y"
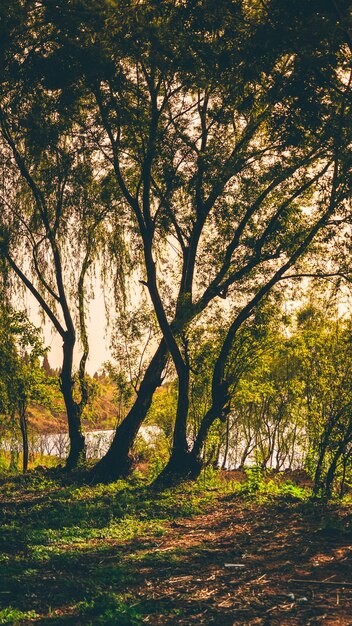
{"x": 117, "y": 555}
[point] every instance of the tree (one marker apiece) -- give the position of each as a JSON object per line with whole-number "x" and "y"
{"x": 292, "y": 405}
{"x": 49, "y": 371}
{"x": 268, "y": 404}
{"x": 225, "y": 128}
{"x": 223, "y": 160}
{"x": 324, "y": 355}
{"x": 54, "y": 201}
{"x": 123, "y": 389}
{"x": 21, "y": 378}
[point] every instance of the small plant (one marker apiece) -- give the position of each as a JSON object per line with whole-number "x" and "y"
{"x": 156, "y": 465}
{"x": 288, "y": 488}
{"x": 254, "y": 481}
{"x": 110, "y": 610}
{"x": 14, "y": 617}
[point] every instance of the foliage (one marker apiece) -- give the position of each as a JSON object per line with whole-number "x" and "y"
{"x": 14, "y": 617}
{"x": 108, "y": 610}
{"x": 22, "y": 380}
{"x": 162, "y": 412}
{"x": 123, "y": 390}
{"x": 201, "y": 151}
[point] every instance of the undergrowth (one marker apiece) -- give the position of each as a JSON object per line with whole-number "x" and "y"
{"x": 70, "y": 550}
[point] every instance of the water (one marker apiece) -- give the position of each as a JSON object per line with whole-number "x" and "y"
{"x": 57, "y": 444}
{"x": 98, "y": 442}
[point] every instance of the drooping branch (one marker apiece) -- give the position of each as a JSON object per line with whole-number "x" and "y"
{"x": 51, "y": 315}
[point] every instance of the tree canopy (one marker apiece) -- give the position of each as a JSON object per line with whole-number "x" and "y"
{"x": 212, "y": 140}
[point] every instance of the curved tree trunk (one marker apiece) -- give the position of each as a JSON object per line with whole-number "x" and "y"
{"x": 330, "y": 475}
{"x": 117, "y": 461}
{"x": 182, "y": 465}
{"x": 343, "y": 478}
{"x": 245, "y": 454}
{"x": 318, "y": 480}
{"x": 77, "y": 453}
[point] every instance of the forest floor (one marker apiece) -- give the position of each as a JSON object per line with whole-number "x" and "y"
{"x": 217, "y": 552}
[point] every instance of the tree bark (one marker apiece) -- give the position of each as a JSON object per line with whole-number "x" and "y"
{"x": 77, "y": 453}
{"x": 117, "y": 461}
{"x": 330, "y": 475}
{"x": 318, "y": 481}
{"x": 180, "y": 429}
{"x": 24, "y": 432}
{"x": 245, "y": 454}
{"x": 182, "y": 465}
{"x": 343, "y": 478}
{"x": 227, "y": 444}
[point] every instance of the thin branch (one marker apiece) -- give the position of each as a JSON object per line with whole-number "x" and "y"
{"x": 51, "y": 315}
{"x": 39, "y": 272}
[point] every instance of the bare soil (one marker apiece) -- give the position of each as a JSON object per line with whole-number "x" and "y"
{"x": 241, "y": 565}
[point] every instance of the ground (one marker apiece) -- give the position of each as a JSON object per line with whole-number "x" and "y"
{"x": 218, "y": 552}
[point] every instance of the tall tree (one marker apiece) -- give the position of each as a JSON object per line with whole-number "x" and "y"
{"x": 54, "y": 200}
{"x": 225, "y": 127}
{"x": 232, "y": 131}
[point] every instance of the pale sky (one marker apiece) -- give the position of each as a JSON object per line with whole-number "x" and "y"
{"x": 98, "y": 338}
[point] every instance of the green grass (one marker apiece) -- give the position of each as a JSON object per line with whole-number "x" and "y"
{"x": 68, "y": 551}
{"x": 13, "y": 616}
{"x": 71, "y": 553}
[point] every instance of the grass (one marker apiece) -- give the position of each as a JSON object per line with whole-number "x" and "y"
{"x": 75, "y": 554}
{"x": 14, "y": 617}
{"x": 49, "y": 528}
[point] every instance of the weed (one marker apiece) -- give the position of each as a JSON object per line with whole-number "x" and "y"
{"x": 109, "y": 610}
{"x": 255, "y": 480}
{"x": 14, "y": 617}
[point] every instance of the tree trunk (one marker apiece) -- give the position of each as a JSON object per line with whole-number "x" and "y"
{"x": 185, "y": 464}
{"x": 318, "y": 482}
{"x": 13, "y": 459}
{"x": 24, "y": 432}
{"x": 245, "y": 454}
{"x": 330, "y": 475}
{"x": 13, "y": 466}
{"x": 227, "y": 443}
{"x": 180, "y": 430}
{"x": 343, "y": 478}
{"x": 77, "y": 453}
{"x": 182, "y": 464}
{"x": 216, "y": 463}
{"x": 117, "y": 461}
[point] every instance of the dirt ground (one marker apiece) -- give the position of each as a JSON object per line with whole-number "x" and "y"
{"x": 262, "y": 565}
{"x": 278, "y": 561}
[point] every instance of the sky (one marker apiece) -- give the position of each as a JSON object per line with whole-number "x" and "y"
{"x": 98, "y": 337}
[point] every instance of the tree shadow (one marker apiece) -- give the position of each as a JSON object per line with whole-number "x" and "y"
{"x": 230, "y": 564}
